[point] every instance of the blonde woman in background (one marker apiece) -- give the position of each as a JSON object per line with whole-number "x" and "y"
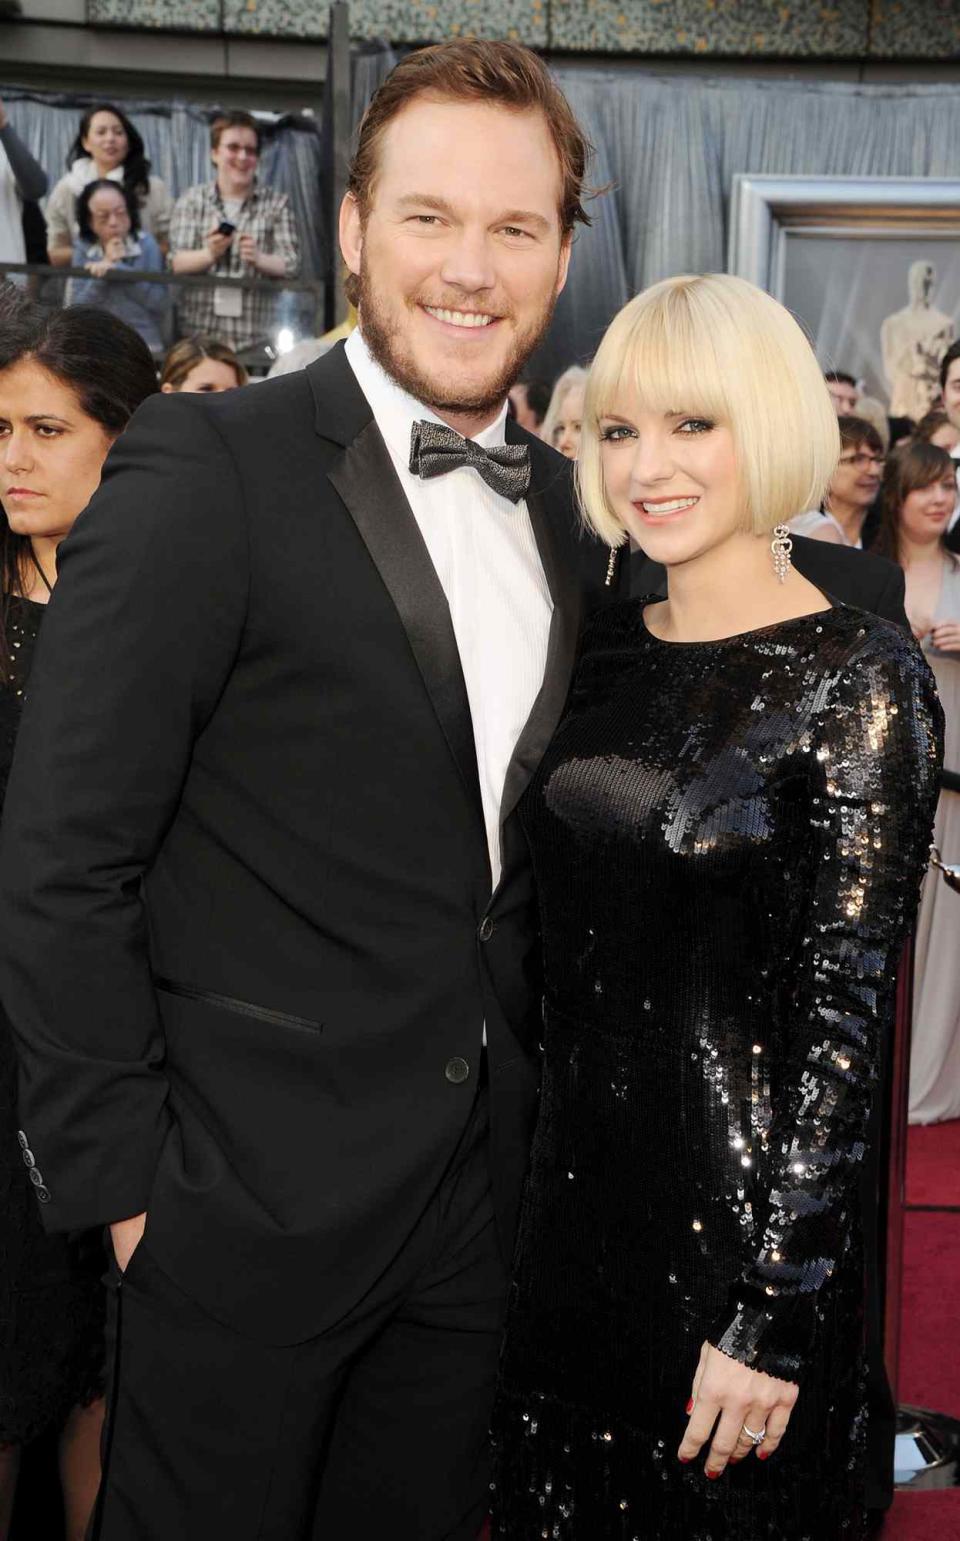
{"x": 561, "y": 426}
{"x": 728, "y": 833}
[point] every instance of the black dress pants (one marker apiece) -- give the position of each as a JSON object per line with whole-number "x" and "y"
{"x": 374, "y": 1431}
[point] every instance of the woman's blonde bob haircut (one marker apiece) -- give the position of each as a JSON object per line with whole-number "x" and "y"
{"x": 716, "y": 347}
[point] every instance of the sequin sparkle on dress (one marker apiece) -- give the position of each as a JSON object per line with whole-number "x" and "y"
{"x": 728, "y": 839}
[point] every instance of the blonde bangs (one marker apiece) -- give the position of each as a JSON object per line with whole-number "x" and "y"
{"x": 718, "y": 347}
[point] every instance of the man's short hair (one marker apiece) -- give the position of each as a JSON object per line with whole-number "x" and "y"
{"x": 839, "y": 377}
{"x": 474, "y": 70}
{"x": 235, "y": 118}
{"x": 950, "y": 357}
{"x": 857, "y": 431}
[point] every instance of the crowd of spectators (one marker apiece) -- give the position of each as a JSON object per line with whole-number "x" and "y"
{"x": 110, "y": 216}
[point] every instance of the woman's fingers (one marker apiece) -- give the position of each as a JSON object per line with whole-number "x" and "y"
{"x": 699, "y": 1429}
{"x": 776, "y": 1428}
{"x": 724, "y": 1441}
{"x": 755, "y": 1420}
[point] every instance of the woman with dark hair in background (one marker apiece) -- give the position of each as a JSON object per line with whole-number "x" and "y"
{"x": 107, "y": 146}
{"x": 919, "y": 494}
{"x": 201, "y": 365}
{"x": 111, "y": 240}
{"x": 69, "y": 382}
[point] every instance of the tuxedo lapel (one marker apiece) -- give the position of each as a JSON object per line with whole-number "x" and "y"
{"x": 368, "y": 486}
{"x": 550, "y": 505}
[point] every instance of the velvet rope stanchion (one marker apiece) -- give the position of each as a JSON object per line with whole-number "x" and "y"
{"x": 928, "y": 1443}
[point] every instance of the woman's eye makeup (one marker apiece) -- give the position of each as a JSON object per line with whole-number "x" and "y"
{"x": 689, "y": 427}
{"x": 693, "y": 425}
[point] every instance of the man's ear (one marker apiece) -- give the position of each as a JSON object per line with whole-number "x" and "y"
{"x": 563, "y": 268}
{"x": 351, "y": 232}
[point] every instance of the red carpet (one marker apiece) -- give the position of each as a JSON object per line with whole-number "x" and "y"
{"x": 924, "y": 1517}
{"x": 930, "y": 1346}
{"x": 933, "y": 1164}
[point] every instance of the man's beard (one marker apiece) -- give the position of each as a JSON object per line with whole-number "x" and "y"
{"x": 385, "y": 341}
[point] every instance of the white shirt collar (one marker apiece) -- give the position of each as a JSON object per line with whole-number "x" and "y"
{"x": 395, "y": 410}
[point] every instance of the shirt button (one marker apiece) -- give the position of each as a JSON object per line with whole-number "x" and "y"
{"x": 487, "y": 929}
{"x": 456, "y": 1070}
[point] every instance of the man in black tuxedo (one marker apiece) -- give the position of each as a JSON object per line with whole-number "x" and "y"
{"x": 267, "y": 922}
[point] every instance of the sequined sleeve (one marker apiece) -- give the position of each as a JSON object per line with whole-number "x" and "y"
{"x": 876, "y": 747}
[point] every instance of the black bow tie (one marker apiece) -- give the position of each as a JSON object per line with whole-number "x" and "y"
{"x": 435, "y": 448}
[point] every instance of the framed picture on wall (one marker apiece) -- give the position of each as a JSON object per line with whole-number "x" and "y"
{"x": 869, "y": 265}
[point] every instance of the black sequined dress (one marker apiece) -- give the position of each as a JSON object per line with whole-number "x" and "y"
{"x": 51, "y": 1298}
{"x": 729, "y": 839}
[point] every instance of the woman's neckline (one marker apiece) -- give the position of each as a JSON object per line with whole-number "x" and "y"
{"x": 737, "y": 636}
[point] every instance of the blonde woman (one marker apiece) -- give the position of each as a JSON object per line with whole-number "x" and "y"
{"x": 561, "y": 426}
{"x": 729, "y": 832}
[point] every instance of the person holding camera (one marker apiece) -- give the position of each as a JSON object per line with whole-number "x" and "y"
{"x": 235, "y": 228}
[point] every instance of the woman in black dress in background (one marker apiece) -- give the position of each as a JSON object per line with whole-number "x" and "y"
{"x": 729, "y": 831}
{"x": 69, "y": 381}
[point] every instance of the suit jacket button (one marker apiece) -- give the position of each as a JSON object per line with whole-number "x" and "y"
{"x": 487, "y": 929}
{"x": 43, "y": 1194}
{"x": 29, "y": 1159}
{"x": 36, "y": 1177}
{"x": 456, "y": 1070}
{"x": 22, "y": 1139}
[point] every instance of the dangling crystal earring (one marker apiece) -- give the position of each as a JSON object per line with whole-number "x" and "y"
{"x": 611, "y": 566}
{"x": 780, "y": 547}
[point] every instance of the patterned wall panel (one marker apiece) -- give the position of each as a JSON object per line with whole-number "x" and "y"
{"x": 402, "y": 21}
{"x": 791, "y": 28}
{"x": 176, "y": 15}
{"x": 916, "y": 29}
{"x": 847, "y": 29}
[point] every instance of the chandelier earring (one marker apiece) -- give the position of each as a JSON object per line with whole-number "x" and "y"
{"x": 781, "y": 548}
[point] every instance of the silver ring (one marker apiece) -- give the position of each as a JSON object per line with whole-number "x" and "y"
{"x": 757, "y": 1439}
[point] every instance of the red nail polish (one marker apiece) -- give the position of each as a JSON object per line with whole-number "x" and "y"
{"x": 713, "y": 1475}
{"x": 684, "y": 1459}
{"x": 690, "y": 1405}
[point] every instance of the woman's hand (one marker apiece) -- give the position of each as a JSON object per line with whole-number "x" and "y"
{"x": 99, "y": 269}
{"x": 741, "y": 1398}
{"x": 946, "y": 636}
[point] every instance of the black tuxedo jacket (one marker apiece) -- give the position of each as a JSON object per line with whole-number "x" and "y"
{"x": 856, "y": 577}
{"x": 249, "y": 944}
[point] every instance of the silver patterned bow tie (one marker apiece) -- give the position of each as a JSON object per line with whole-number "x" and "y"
{"x": 435, "y": 448}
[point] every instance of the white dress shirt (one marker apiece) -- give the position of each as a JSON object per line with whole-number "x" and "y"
{"x": 485, "y": 554}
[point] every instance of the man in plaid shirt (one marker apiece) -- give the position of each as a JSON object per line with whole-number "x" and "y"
{"x": 263, "y": 239}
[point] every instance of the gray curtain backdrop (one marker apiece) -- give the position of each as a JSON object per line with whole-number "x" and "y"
{"x": 672, "y": 146}
{"x": 177, "y": 141}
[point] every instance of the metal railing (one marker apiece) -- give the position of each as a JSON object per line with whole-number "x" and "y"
{"x": 297, "y": 305}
